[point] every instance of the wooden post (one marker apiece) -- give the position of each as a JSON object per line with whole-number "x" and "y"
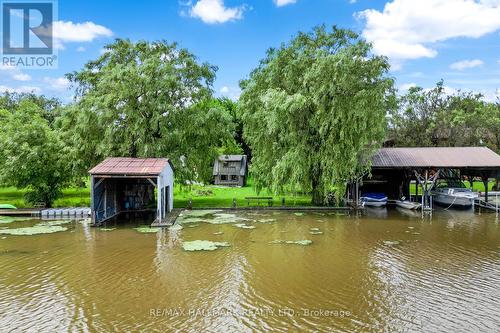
{"x": 485, "y": 182}
{"x": 92, "y": 202}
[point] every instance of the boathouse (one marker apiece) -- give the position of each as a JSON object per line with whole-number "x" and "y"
{"x": 122, "y": 184}
{"x": 230, "y": 170}
{"x": 393, "y": 169}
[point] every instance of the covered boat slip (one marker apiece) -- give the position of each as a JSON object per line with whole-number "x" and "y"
{"x": 120, "y": 185}
{"x": 394, "y": 169}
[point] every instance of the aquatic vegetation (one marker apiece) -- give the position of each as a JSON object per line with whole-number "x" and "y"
{"x": 187, "y": 220}
{"x": 391, "y": 243}
{"x": 303, "y": 242}
{"x": 35, "y": 230}
{"x": 244, "y": 226}
{"x": 314, "y": 229}
{"x": 6, "y": 219}
{"x": 10, "y": 219}
{"x": 146, "y": 229}
{"x": 55, "y": 222}
{"x": 298, "y": 214}
{"x": 210, "y": 216}
{"x": 203, "y": 245}
{"x": 316, "y": 232}
{"x": 176, "y": 227}
{"x": 199, "y": 213}
{"x": 107, "y": 229}
{"x": 218, "y": 233}
{"x": 266, "y": 220}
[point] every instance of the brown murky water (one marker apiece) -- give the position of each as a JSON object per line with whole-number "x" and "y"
{"x": 434, "y": 274}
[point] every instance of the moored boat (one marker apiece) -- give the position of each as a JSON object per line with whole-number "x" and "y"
{"x": 408, "y": 204}
{"x": 374, "y": 199}
{"x": 454, "y": 195}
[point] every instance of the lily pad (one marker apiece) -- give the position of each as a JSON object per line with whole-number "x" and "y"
{"x": 10, "y": 219}
{"x": 191, "y": 220}
{"x": 35, "y": 230}
{"x": 391, "y": 242}
{"x": 199, "y": 213}
{"x": 145, "y": 229}
{"x": 303, "y": 242}
{"x": 298, "y": 214}
{"x": 244, "y": 226}
{"x": 203, "y": 245}
{"x": 6, "y": 219}
{"x": 316, "y": 232}
{"x": 266, "y": 220}
{"x": 314, "y": 229}
{"x": 52, "y": 223}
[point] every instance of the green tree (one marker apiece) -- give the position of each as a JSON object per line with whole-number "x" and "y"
{"x": 314, "y": 111}
{"x": 436, "y": 117}
{"x": 147, "y": 100}
{"x": 414, "y": 122}
{"x": 32, "y": 155}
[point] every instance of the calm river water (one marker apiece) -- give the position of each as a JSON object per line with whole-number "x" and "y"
{"x": 384, "y": 271}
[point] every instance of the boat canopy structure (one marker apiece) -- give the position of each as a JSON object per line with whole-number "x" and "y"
{"x": 393, "y": 169}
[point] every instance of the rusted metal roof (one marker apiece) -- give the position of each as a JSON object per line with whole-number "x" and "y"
{"x": 439, "y": 157}
{"x": 130, "y": 166}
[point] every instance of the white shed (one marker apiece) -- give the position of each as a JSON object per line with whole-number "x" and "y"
{"x": 123, "y": 184}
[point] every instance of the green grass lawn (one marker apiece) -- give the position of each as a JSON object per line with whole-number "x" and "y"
{"x": 202, "y": 196}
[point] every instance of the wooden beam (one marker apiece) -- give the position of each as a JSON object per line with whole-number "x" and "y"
{"x": 98, "y": 182}
{"x": 152, "y": 182}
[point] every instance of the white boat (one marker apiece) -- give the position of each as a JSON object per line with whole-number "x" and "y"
{"x": 457, "y": 197}
{"x": 408, "y": 204}
{"x": 374, "y": 200}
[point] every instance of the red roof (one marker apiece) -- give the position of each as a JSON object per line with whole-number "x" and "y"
{"x": 130, "y": 166}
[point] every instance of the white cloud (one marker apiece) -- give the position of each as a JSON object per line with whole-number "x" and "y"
{"x": 465, "y": 64}
{"x": 79, "y": 32}
{"x": 14, "y": 72}
{"x": 214, "y": 11}
{"x": 21, "y": 77}
{"x": 281, "y": 3}
{"x": 407, "y": 86}
{"x": 353, "y": 1}
{"x": 57, "y": 83}
{"x": 80, "y": 49}
{"x": 406, "y": 29}
{"x": 230, "y": 92}
{"x": 21, "y": 89}
{"x": 67, "y": 31}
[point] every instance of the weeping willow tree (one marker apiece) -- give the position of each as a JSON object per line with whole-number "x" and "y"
{"x": 147, "y": 99}
{"x": 314, "y": 111}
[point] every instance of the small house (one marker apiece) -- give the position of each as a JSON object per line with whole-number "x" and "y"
{"x": 123, "y": 185}
{"x": 230, "y": 170}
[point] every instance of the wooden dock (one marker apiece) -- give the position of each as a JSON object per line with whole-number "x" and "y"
{"x": 169, "y": 219}
{"x": 35, "y": 212}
